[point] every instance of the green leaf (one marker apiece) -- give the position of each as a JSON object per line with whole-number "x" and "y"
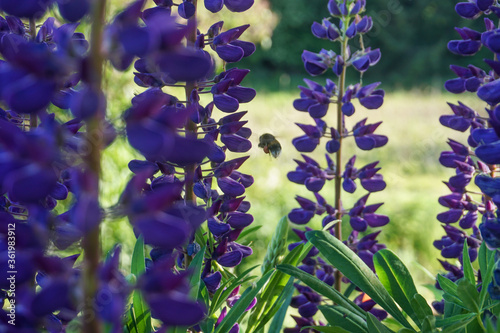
{"x": 203, "y": 295}
{"x": 447, "y": 285}
{"x": 248, "y": 231}
{"x": 241, "y": 305}
{"x": 207, "y": 326}
{"x": 467, "y": 265}
{"x": 375, "y": 326}
{"x": 340, "y": 316}
{"x": 328, "y": 329}
{"x": 141, "y": 310}
{"x": 279, "y": 317}
{"x": 420, "y": 306}
{"x": 490, "y": 326}
{"x": 274, "y": 288}
{"x": 340, "y": 256}
{"x": 453, "y": 300}
{"x": 443, "y": 322}
{"x": 458, "y": 325}
{"x": 475, "y": 326}
{"x": 468, "y": 294}
{"x": 486, "y": 265}
{"x": 429, "y": 324}
{"x": 287, "y": 291}
{"x": 397, "y": 280}
{"x": 195, "y": 266}
{"x": 322, "y": 288}
{"x": 224, "y": 294}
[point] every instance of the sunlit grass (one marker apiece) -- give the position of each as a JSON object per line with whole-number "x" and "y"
{"x": 409, "y": 164}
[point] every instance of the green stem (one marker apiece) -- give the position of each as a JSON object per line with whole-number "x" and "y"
{"x": 338, "y": 171}
{"x": 91, "y": 241}
{"x": 478, "y": 318}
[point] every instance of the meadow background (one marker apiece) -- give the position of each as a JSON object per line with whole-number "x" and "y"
{"x": 412, "y": 36}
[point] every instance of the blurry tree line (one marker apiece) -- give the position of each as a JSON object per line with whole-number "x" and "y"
{"x": 412, "y": 35}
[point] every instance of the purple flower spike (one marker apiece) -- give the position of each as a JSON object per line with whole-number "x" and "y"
{"x": 490, "y": 92}
{"x": 87, "y": 103}
{"x": 29, "y": 95}
{"x": 163, "y": 231}
{"x": 468, "y": 10}
{"x": 175, "y": 312}
{"x": 28, "y": 8}
{"x": 230, "y": 186}
{"x": 73, "y": 10}
{"x": 214, "y": 5}
{"x": 186, "y": 9}
{"x": 300, "y": 216}
{"x": 238, "y": 5}
{"x": 185, "y": 66}
{"x": 333, "y": 8}
{"x": 230, "y": 259}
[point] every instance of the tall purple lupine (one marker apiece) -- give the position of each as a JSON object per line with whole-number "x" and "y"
{"x": 185, "y": 178}
{"x": 346, "y": 27}
{"x": 476, "y": 160}
{"x": 42, "y": 67}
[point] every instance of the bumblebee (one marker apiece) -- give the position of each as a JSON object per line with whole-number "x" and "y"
{"x": 270, "y": 145}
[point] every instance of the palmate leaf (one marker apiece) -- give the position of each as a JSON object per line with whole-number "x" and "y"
{"x": 242, "y": 304}
{"x": 340, "y": 256}
{"x": 141, "y": 309}
{"x": 398, "y": 281}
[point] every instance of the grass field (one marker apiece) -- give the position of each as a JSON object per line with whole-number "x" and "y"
{"x": 409, "y": 164}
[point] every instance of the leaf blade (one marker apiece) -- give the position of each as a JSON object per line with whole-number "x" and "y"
{"x": 241, "y": 305}
{"x": 398, "y": 281}
{"x": 339, "y": 255}
{"x": 141, "y": 309}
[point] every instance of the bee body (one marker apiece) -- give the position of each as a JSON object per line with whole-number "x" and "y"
{"x": 270, "y": 145}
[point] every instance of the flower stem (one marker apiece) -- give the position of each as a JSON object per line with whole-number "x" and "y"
{"x": 338, "y": 171}
{"x": 33, "y": 117}
{"x": 91, "y": 240}
{"x": 191, "y": 128}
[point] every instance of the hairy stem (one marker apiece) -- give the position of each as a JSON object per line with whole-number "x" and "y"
{"x": 338, "y": 171}
{"x": 91, "y": 241}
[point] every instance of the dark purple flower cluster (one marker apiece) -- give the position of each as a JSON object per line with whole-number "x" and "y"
{"x": 42, "y": 161}
{"x": 476, "y": 161}
{"x": 185, "y": 146}
{"x": 345, "y": 27}
{"x": 185, "y": 178}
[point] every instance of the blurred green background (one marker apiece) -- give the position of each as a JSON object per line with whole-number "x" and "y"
{"x": 415, "y": 63}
